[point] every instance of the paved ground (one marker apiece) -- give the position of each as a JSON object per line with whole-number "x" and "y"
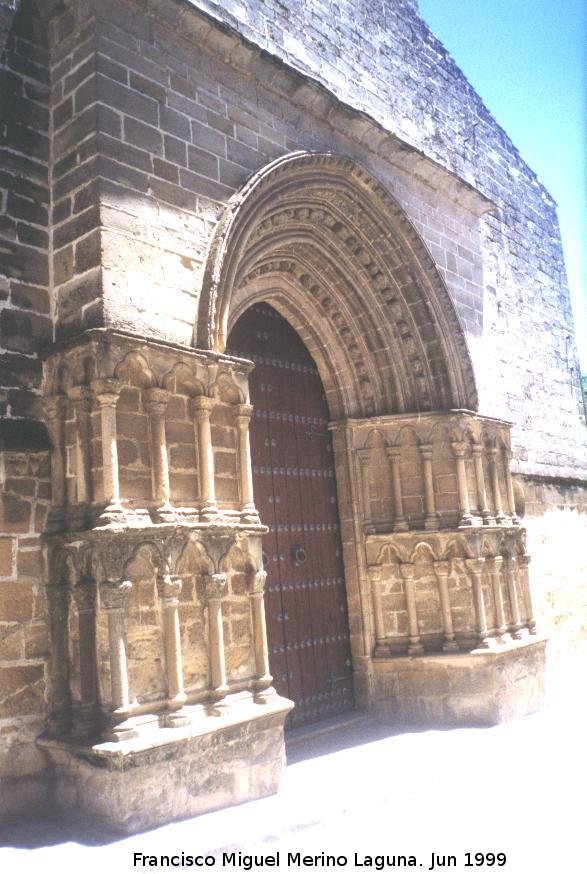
{"x": 519, "y": 789}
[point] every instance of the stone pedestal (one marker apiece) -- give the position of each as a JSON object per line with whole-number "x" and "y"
{"x": 173, "y": 773}
{"x": 477, "y": 688}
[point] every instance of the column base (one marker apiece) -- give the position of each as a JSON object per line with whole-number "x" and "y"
{"x": 173, "y": 773}
{"x": 483, "y": 687}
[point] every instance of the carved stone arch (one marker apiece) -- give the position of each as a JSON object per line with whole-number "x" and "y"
{"x": 193, "y": 559}
{"x": 389, "y": 554}
{"x": 238, "y": 558}
{"x": 375, "y": 440}
{"x": 423, "y": 551}
{"x": 134, "y": 370}
{"x": 326, "y": 197}
{"x": 146, "y": 551}
{"x": 181, "y": 379}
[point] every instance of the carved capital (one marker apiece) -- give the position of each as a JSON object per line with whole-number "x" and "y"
{"x": 496, "y": 561}
{"x": 106, "y": 391}
{"x": 407, "y": 571}
{"x": 475, "y": 565}
{"x": 426, "y": 450}
{"x": 524, "y": 560}
{"x": 54, "y": 408}
{"x": 81, "y": 397}
{"x": 442, "y": 568}
{"x": 477, "y": 449}
{"x": 201, "y": 406}
{"x": 374, "y": 571}
{"x": 85, "y": 596}
{"x": 393, "y": 453}
{"x": 216, "y": 586}
{"x": 458, "y": 448}
{"x": 169, "y": 587}
{"x": 115, "y": 595}
{"x": 243, "y": 415}
{"x": 156, "y": 400}
{"x": 258, "y": 584}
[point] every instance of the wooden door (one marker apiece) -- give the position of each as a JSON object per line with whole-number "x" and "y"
{"x": 295, "y": 493}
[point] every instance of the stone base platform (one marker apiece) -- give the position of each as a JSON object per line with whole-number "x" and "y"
{"x": 232, "y": 756}
{"x": 483, "y": 687}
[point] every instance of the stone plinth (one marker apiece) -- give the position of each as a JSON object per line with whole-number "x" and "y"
{"x": 477, "y": 688}
{"x": 173, "y": 773}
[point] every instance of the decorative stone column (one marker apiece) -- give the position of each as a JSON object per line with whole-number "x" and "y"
{"x": 55, "y": 409}
{"x": 495, "y": 567}
{"x": 169, "y": 588}
{"x": 515, "y": 627}
{"x": 415, "y": 644}
{"x": 399, "y": 521}
{"x": 243, "y": 421}
{"x": 85, "y": 599}
{"x": 364, "y": 458}
{"x": 81, "y": 398}
{"x": 374, "y": 572}
{"x": 156, "y": 400}
{"x": 441, "y": 569}
{"x": 523, "y": 564}
{"x": 114, "y": 597}
{"x": 58, "y": 595}
{"x": 430, "y": 520}
{"x": 500, "y": 516}
{"x": 476, "y": 567}
{"x": 263, "y": 679}
{"x": 509, "y": 486}
{"x": 106, "y": 392}
{"x": 459, "y": 449}
{"x": 216, "y": 587}
{"x": 480, "y": 482}
{"x": 202, "y": 408}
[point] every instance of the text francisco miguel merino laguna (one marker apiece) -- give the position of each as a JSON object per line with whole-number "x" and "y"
{"x": 250, "y": 862}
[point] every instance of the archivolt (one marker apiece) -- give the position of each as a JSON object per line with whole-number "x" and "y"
{"x": 316, "y": 235}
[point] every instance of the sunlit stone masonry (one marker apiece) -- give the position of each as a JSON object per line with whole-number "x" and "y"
{"x": 291, "y": 413}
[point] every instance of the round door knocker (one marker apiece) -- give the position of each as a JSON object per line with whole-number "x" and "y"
{"x": 300, "y": 556}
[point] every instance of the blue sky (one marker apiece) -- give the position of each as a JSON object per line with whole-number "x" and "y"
{"x": 527, "y": 59}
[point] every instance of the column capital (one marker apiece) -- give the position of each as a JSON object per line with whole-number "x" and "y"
{"x": 510, "y": 560}
{"x": 85, "y": 596}
{"x": 524, "y": 559}
{"x": 407, "y": 569}
{"x": 169, "y": 587}
{"x": 156, "y": 400}
{"x": 477, "y": 448}
{"x": 441, "y": 568}
{"x": 106, "y": 391}
{"x": 54, "y": 406}
{"x": 458, "y": 448}
{"x": 243, "y": 413}
{"x": 201, "y": 406}
{"x": 393, "y": 452}
{"x": 375, "y": 571}
{"x": 115, "y": 595}
{"x": 216, "y": 586}
{"x": 475, "y": 565}
{"x": 492, "y": 451}
{"x": 425, "y": 450}
{"x": 258, "y": 585}
{"x": 496, "y": 561}
{"x": 81, "y": 396}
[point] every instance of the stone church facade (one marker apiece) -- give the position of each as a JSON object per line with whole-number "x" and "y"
{"x": 291, "y": 401}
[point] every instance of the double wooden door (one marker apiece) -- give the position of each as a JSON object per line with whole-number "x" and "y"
{"x": 295, "y": 493}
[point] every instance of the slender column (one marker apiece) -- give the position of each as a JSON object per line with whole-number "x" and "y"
{"x": 114, "y": 598}
{"x": 495, "y": 566}
{"x": 480, "y": 482}
{"x": 58, "y": 595}
{"x": 263, "y": 678}
{"x": 364, "y": 457}
{"x": 500, "y": 516}
{"x": 399, "y": 522}
{"x": 430, "y": 521}
{"x": 156, "y": 400}
{"x": 509, "y": 487}
{"x": 415, "y": 645}
{"x": 458, "y": 449}
{"x": 215, "y": 590}
{"x": 441, "y": 569}
{"x": 374, "y": 571}
{"x": 202, "y": 407}
{"x": 55, "y": 409}
{"x": 169, "y": 588}
{"x": 515, "y": 626}
{"x": 85, "y": 598}
{"x": 243, "y": 421}
{"x": 476, "y": 567}
{"x": 523, "y": 563}
{"x": 106, "y": 392}
{"x": 81, "y": 397}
